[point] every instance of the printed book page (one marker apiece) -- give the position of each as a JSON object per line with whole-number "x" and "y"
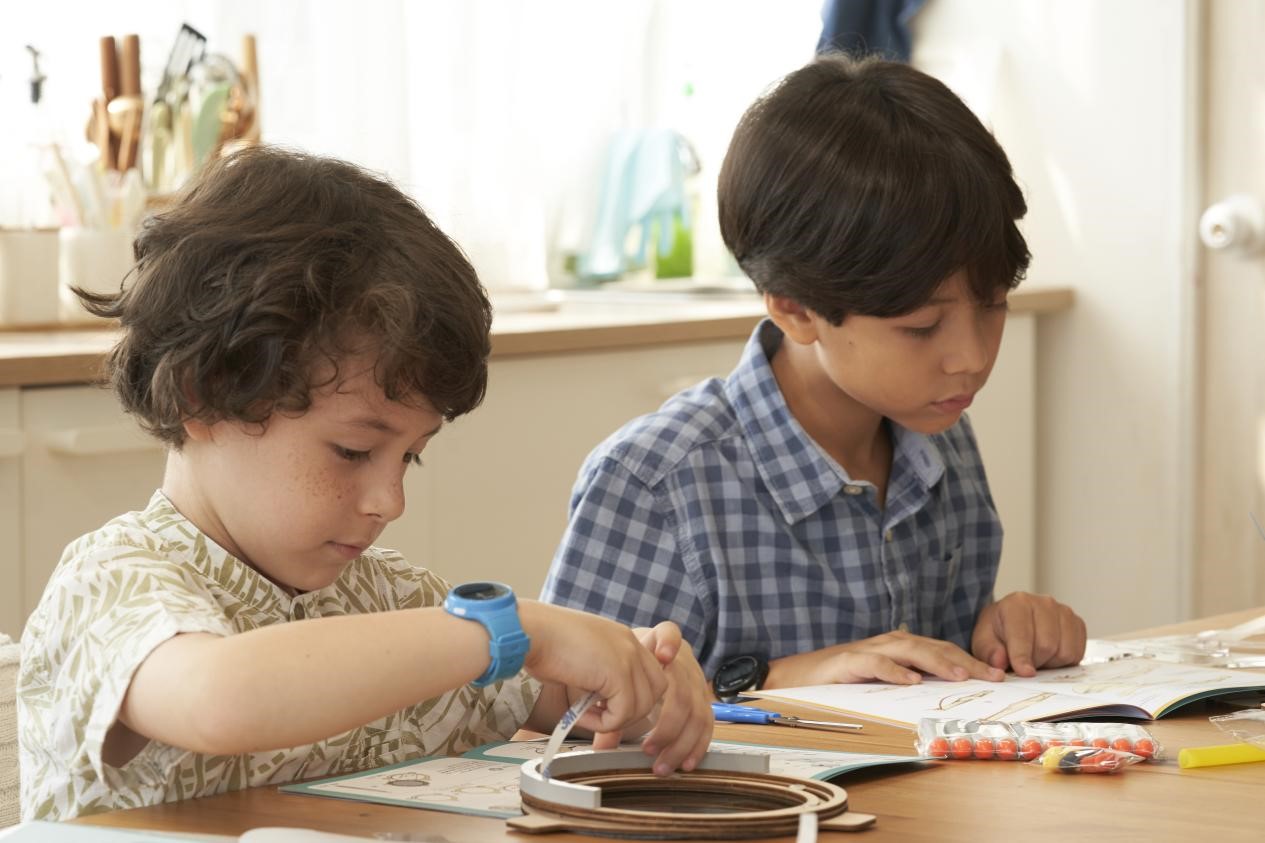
{"x": 484, "y": 782}
{"x": 1142, "y": 688}
{"x": 458, "y": 785}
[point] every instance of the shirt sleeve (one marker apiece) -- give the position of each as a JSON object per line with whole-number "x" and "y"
{"x": 620, "y": 557}
{"x": 98, "y": 621}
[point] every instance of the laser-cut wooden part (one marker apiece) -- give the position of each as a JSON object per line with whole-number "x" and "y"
{"x": 729, "y": 795}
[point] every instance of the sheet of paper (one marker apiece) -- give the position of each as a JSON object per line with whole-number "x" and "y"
{"x": 1128, "y": 687}
{"x": 813, "y": 763}
{"x": 290, "y": 834}
{"x": 458, "y": 785}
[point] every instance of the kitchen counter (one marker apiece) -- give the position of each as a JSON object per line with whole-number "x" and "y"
{"x": 540, "y": 324}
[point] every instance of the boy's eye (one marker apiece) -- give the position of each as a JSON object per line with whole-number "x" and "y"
{"x": 350, "y": 455}
{"x": 922, "y": 332}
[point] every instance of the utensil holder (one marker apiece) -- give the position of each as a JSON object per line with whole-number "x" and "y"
{"x": 95, "y": 260}
{"x": 28, "y": 277}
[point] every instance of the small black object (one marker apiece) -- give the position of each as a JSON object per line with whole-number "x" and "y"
{"x": 37, "y": 78}
{"x": 738, "y": 674}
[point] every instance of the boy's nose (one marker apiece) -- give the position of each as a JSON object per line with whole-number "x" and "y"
{"x": 384, "y": 500}
{"x": 970, "y": 352}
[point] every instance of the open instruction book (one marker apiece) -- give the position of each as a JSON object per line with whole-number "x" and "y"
{"x": 484, "y": 781}
{"x": 1136, "y": 687}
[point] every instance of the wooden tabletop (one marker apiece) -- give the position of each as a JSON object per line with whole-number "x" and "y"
{"x": 935, "y": 801}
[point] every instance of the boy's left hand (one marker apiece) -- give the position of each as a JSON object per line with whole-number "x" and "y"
{"x": 1028, "y": 631}
{"x": 682, "y": 728}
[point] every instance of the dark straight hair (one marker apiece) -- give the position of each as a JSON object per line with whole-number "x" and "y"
{"x": 859, "y": 186}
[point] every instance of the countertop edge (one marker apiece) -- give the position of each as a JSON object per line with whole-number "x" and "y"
{"x": 67, "y": 360}
{"x": 519, "y": 343}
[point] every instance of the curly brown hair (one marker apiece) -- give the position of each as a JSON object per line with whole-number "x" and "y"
{"x": 270, "y": 268}
{"x": 859, "y": 186}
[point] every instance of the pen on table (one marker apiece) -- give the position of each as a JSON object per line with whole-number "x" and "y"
{"x": 746, "y": 714}
{"x": 1215, "y": 756}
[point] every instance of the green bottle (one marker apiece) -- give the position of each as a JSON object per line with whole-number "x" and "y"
{"x": 679, "y": 261}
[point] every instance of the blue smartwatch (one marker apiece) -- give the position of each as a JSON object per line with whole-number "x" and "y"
{"x": 493, "y": 605}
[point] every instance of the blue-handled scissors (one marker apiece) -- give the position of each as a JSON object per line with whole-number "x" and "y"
{"x": 728, "y": 713}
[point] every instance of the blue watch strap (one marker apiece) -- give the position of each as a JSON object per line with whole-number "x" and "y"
{"x": 495, "y": 607}
{"x": 508, "y": 652}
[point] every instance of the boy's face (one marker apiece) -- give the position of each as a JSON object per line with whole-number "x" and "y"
{"x": 922, "y": 369}
{"x": 305, "y": 497}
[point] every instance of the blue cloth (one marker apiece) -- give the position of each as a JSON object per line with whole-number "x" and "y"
{"x": 720, "y": 513}
{"x": 644, "y": 184}
{"x": 861, "y": 27}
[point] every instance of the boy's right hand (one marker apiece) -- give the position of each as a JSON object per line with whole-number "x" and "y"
{"x": 895, "y": 657}
{"x": 591, "y": 653}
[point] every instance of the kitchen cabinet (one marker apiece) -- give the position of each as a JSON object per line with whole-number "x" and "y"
{"x": 490, "y": 501}
{"x": 83, "y": 463}
{"x": 12, "y": 441}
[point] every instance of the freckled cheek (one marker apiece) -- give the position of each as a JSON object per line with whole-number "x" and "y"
{"x": 321, "y": 484}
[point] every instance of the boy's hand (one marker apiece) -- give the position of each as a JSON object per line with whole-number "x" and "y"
{"x": 584, "y": 653}
{"x": 1028, "y": 631}
{"x": 682, "y": 729}
{"x": 895, "y": 657}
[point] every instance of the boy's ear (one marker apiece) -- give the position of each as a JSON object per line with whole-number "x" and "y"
{"x": 796, "y": 321}
{"x": 196, "y": 431}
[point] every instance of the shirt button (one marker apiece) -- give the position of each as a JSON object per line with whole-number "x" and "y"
{"x": 853, "y": 490}
{"x": 904, "y": 627}
{"x": 887, "y": 536}
{"x": 298, "y": 612}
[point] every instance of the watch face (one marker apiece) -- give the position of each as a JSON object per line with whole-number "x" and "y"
{"x": 481, "y": 590}
{"x": 740, "y": 673}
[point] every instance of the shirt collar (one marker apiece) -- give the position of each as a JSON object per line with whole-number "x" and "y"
{"x": 800, "y": 476}
{"x": 213, "y": 562}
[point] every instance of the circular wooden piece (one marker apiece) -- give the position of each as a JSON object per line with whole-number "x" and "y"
{"x": 698, "y": 805}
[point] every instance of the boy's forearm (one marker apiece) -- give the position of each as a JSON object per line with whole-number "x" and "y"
{"x": 296, "y": 683}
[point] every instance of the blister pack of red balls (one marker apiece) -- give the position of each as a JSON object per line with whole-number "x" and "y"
{"x": 989, "y": 740}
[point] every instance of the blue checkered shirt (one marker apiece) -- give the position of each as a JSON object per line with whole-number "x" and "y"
{"x": 720, "y": 513}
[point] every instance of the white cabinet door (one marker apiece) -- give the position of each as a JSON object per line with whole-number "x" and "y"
{"x": 491, "y": 499}
{"x": 85, "y": 462}
{"x": 11, "y": 444}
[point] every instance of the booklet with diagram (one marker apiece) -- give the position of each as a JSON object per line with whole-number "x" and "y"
{"x": 484, "y": 781}
{"x": 1133, "y": 687}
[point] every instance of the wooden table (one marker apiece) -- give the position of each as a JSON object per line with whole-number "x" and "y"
{"x": 940, "y": 801}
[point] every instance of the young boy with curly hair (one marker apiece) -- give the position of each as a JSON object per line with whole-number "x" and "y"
{"x": 297, "y": 332}
{"x": 822, "y": 515}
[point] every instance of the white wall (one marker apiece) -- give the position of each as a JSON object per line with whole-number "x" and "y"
{"x": 1089, "y": 100}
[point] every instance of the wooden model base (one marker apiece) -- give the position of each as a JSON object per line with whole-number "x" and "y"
{"x": 614, "y": 794}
